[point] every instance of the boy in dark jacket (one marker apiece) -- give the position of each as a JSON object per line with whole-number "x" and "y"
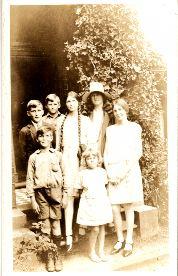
{"x": 27, "y": 135}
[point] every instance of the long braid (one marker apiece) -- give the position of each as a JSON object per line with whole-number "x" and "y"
{"x": 61, "y": 134}
{"x": 61, "y": 150}
{"x": 79, "y": 126}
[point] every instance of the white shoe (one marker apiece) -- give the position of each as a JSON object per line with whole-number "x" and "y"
{"x": 117, "y": 247}
{"x": 69, "y": 242}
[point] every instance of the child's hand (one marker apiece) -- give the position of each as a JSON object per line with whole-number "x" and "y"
{"x": 64, "y": 200}
{"x": 113, "y": 182}
{"x": 35, "y": 205}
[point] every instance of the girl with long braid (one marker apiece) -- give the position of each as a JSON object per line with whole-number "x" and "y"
{"x": 74, "y": 131}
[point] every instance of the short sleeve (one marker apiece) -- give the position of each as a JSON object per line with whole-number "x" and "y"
{"x": 138, "y": 141}
{"x": 30, "y": 175}
{"x": 79, "y": 184}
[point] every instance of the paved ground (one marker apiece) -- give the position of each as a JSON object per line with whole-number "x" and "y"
{"x": 148, "y": 255}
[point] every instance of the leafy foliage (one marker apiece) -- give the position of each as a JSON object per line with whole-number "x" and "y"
{"x": 39, "y": 245}
{"x": 109, "y": 46}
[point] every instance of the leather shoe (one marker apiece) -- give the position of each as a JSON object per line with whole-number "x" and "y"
{"x": 58, "y": 262}
{"x": 50, "y": 262}
{"x": 128, "y": 249}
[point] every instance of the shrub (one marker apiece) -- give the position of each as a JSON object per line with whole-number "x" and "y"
{"x": 29, "y": 249}
{"x": 109, "y": 46}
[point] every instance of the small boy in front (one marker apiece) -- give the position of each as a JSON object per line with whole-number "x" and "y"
{"x": 27, "y": 135}
{"x": 44, "y": 187}
{"x": 53, "y": 117}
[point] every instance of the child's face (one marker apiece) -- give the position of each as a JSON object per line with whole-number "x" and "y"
{"x": 45, "y": 139}
{"x": 35, "y": 113}
{"x": 92, "y": 161}
{"x": 53, "y": 106}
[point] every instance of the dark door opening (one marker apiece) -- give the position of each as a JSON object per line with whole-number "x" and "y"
{"x": 38, "y": 61}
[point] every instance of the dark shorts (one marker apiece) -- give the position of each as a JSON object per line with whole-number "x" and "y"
{"x": 49, "y": 200}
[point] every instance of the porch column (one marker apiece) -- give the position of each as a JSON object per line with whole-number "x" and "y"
{"x": 14, "y": 177}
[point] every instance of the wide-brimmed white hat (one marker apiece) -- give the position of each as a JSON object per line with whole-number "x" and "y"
{"x": 96, "y": 87}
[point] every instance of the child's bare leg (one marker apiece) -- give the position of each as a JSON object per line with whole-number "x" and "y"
{"x": 56, "y": 232}
{"x": 129, "y": 213}
{"x": 92, "y": 243}
{"x": 117, "y": 221}
{"x": 46, "y": 229}
{"x": 101, "y": 239}
{"x": 117, "y": 218}
{"x": 56, "y": 227}
{"x": 46, "y": 226}
{"x": 56, "y": 236}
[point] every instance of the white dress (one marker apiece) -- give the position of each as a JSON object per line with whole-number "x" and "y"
{"x": 70, "y": 161}
{"x": 94, "y": 207}
{"x": 121, "y": 157}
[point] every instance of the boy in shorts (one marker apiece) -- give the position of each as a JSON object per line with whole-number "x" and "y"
{"x": 44, "y": 187}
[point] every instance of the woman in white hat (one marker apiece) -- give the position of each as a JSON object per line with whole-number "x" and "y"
{"x": 95, "y": 100}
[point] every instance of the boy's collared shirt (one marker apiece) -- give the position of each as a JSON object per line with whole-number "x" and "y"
{"x": 55, "y": 122}
{"x": 52, "y": 120}
{"x": 43, "y": 171}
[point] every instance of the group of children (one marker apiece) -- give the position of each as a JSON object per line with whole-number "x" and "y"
{"x": 45, "y": 186}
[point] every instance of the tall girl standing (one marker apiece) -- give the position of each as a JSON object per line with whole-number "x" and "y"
{"x": 121, "y": 157}
{"x": 74, "y": 131}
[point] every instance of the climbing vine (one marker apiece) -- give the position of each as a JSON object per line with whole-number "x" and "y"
{"x": 109, "y": 46}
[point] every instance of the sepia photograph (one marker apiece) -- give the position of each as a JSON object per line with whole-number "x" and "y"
{"x": 88, "y": 184}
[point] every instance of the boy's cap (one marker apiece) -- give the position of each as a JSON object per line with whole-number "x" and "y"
{"x": 95, "y": 87}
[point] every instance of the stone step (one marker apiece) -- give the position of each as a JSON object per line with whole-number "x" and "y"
{"x": 19, "y": 219}
{"x": 112, "y": 229}
{"x": 21, "y": 184}
{"x": 146, "y": 217}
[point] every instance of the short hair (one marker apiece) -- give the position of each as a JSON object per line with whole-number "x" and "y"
{"x": 123, "y": 103}
{"x": 90, "y": 152}
{"x": 52, "y": 98}
{"x": 44, "y": 129}
{"x": 33, "y": 104}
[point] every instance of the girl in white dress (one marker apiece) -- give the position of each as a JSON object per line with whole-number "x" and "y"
{"x": 121, "y": 158}
{"x": 94, "y": 207}
{"x": 74, "y": 131}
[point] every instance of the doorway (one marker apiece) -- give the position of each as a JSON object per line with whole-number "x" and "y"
{"x": 38, "y": 62}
